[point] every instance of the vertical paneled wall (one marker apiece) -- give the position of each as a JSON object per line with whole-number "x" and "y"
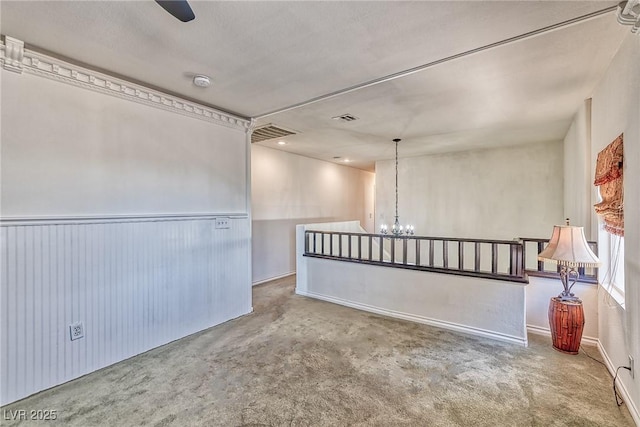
{"x": 134, "y": 285}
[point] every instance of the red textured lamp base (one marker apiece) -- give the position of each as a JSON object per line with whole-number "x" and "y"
{"x": 566, "y": 319}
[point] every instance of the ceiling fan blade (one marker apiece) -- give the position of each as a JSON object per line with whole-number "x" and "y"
{"x": 178, "y": 8}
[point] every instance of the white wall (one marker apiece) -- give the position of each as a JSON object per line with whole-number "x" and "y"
{"x": 577, "y": 170}
{"x": 125, "y": 195}
{"x": 70, "y": 151}
{"x": 577, "y": 188}
{"x": 494, "y": 194}
{"x": 489, "y": 308}
{"x": 616, "y": 110}
{"x": 288, "y": 189}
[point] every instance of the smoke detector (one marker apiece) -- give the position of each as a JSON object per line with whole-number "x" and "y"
{"x": 201, "y": 81}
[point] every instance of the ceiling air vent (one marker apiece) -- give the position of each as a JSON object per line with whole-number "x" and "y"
{"x": 270, "y": 131}
{"x": 345, "y": 118}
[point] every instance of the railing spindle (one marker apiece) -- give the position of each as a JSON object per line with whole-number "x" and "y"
{"x": 359, "y": 247}
{"x": 461, "y": 255}
{"x": 331, "y": 244}
{"x": 540, "y": 263}
{"x": 393, "y": 250}
{"x": 381, "y": 249}
{"x": 349, "y": 247}
{"x": 476, "y": 265}
{"x": 417, "y": 251}
{"x": 513, "y": 260}
{"x": 370, "y": 248}
{"x": 322, "y": 243}
{"x": 431, "y": 247}
{"x": 520, "y": 252}
{"x": 445, "y": 253}
{"x": 494, "y": 258}
{"x": 404, "y": 250}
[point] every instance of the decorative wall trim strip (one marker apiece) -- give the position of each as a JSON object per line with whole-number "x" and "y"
{"x": 105, "y": 219}
{"x": 418, "y": 319}
{"x": 15, "y": 58}
{"x": 12, "y": 54}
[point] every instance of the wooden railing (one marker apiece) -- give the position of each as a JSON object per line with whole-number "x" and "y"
{"x": 491, "y": 259}
{"x": 533, "y": 267}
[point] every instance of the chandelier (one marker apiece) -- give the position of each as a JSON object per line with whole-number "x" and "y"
{"x": 396, "y": 228}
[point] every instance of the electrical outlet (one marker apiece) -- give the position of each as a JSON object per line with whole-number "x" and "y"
{"x": 223, "y": 223}
{"x": 76, "y": 330}
{"x": 631, "y": 366}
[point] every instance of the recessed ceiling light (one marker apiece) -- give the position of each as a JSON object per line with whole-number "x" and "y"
{"x": 201, "y": 80}
{"x": 282, "y": 143}
{"x": 347, "y": 161}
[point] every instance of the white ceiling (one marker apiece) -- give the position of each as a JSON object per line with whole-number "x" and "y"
{"x": 266, "y": 56}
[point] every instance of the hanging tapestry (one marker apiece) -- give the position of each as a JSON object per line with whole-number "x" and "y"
{"x": 610, "y": 180}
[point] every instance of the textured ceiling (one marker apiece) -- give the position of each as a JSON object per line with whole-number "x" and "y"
{"x": 265, "y": 56}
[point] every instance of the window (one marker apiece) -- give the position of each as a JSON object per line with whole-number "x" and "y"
{"x": 609, "y": 181}
{"x": 612, "y": 257}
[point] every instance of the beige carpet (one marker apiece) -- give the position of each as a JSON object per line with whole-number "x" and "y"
{"x": 301, "y": 362}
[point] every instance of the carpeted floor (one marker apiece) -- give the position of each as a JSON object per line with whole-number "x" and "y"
{"x": 301, "y": 362}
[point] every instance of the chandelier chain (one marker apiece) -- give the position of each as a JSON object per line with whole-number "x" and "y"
{"x": 396, "y": 141}
{"x": 397, "y": 229}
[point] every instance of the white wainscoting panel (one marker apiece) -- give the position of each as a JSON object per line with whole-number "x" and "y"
{"x": 135, "y": 285}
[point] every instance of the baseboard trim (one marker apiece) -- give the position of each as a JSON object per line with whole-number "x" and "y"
{"x": 109, "y": 365}
{"x": 260, "y": 282}
{"x": 538, "y": 330}
{"x": 624, "y": 393}
{"x": 419, "y": 319}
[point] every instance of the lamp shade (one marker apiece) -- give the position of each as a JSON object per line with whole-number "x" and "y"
{"x": 569, "y": 247}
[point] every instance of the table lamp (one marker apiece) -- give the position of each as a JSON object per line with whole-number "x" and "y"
{"x": 569, "y": 249}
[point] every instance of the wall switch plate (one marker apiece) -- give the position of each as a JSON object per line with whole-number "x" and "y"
{"x": 223, "y": 222}
{"x": 631, "y": 366}
{"x": 76, "y": 330}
